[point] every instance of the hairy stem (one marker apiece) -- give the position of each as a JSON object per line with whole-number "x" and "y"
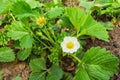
{"x": 76, "y": 58}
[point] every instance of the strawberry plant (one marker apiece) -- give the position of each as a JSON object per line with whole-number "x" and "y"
{"x": 45, "y": 32}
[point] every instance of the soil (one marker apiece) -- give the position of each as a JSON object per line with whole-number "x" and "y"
{"x": 12, "y": 70}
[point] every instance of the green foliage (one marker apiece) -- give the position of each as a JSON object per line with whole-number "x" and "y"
{"x": 67, "y": 76}
{"x": 85, "y": 24}
{"x": 3, "y": 38}
{"x": 51, "y": 4}
{"x": 54, "y": 12}
{"x": 97, "y": 64}
{"x": 37, "y": 76}
{"x": 54, "y": 56}
{"x": 6, "y": 54}
{"x": 109, "y": 9}
{"x": 37, "y": 65}
{"x": 39, "y": 71}
{"x": 23, "y": 54}
{"x": 108, "y": 25}
{"x": 33, "y": 3}
{"x": 87, "y": 5}
{"x": 4, "y": 6}
{"x": 106, "y": 1}
{"x": 19, "y": 31}
{"x": 55, "y": 73}
{"x": 66, "y": 22}
{"x": 26, "y": 41}
{"x": 81, "y": 74}
{"x": 17, "y": 78}
{"x": 21, "y": 9}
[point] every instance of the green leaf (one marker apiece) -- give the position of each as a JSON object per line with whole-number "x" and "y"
{"x": 23, "y": 54}
{"x": 34, "y": 4}
{"x": 87, "y": 5}
{"x": 54, "y": 12}
{"x": 81, "y": 74}
{"x": 21, "y": 9}
{"x": 66, "y": 22}
{"x": 37, "y": 65}
{"x": 98, "y": 64}
{"x": 108, "y": 25}
{"x": 26, "y": 41}
{"x": 5, "y": 5}
{"x": 67, "y": 76}
{"x": 104, "y": 1}
{"x": 55, "y": 73}
{"x": 40, "y": 72}
{"x": 37, "y": 76}
{"x": 85, "y": 24}
{"x": 17, "y": 78}
{"x": 19, "y": 31}
{"x": 6, "y": 54}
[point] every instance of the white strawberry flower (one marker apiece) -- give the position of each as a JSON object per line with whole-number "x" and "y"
{"x": 70, "y": 44}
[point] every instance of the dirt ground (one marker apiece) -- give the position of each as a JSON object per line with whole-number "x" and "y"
{"x": 12, "y": 70}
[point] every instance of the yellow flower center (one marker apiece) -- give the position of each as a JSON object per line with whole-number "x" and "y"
{"x": 41, "y": 21}
{"x": 70, "y": 45}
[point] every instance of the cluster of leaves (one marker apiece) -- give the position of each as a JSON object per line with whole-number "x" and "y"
{"x": 105, "y": 11}
{"x": 40, "y": 71}
{"x": 41, "y": 44}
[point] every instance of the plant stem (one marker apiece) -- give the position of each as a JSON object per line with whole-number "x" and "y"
{"x": 77, "y": 34}
{"x": 39, "y": 39}
{"x": 76, "y": 58}
{"x": 80, "y": 34}
{"x": 12, "y": 16}
{"x": 48, "y": 35}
